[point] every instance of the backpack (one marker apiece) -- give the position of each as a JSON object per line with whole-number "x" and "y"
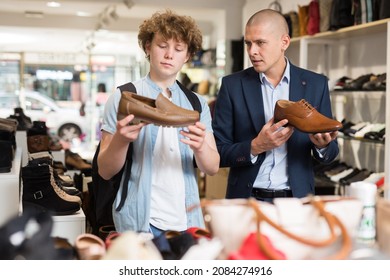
{"x": 102, "y": 192}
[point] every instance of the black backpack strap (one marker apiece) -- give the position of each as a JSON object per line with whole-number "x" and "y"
{"x": 128, "y": 87}
{"x": 194, "y": 100}
{"x": 127, "y": 169}
{"x": 129, "y": 160}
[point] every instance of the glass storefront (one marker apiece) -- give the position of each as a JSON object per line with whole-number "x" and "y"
{"x": 68, "y": 79}
{"x": 9, "y": 72}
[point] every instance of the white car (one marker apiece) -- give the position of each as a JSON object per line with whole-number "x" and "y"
{"x": 64, "y": 122}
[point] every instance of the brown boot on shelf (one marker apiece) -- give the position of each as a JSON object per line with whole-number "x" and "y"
{"x": 37, "y": 143}
{"x": 37, "y": 138}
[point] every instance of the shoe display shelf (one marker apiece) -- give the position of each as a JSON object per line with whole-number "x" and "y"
{"x": 69, "y": 226}
{"x": 10, "y": 190}
{"x": 353, "y": 51}
{"x": 361, "y": 106}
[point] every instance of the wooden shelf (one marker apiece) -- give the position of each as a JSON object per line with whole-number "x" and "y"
{"x": 379, "y": 26}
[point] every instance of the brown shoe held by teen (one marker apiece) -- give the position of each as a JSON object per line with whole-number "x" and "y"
{"x": 159, "y": 111}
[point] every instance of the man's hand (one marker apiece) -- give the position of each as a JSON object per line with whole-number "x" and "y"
{"x": 321, "y": 140}
{"x": 272, "y": 135}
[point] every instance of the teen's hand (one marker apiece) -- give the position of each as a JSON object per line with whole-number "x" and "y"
{"x": 194, "y": 136}
{"x": 127, "y": 131}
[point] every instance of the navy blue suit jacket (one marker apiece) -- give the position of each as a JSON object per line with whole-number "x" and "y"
{"x": 239, "y": 117}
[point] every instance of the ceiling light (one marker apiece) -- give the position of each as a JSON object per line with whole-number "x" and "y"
{"x": 53, "y": 4}
{"x": 83, "y": 14}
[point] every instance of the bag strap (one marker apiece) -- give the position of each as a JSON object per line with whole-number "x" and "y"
{"x": 129, "y": 159}
{"x": 191, "y": 96}
{"x": 332, "y": 221}
{"x": 128, "y": 87}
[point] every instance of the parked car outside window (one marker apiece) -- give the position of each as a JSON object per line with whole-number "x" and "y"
{"x": 64, "y": 122}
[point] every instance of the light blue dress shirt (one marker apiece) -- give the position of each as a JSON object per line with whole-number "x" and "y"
{"x": 273, "y": 171}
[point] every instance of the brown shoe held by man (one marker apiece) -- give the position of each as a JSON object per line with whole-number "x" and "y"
{"x": 304, "y": 117}
{"x": 159, "y": 111}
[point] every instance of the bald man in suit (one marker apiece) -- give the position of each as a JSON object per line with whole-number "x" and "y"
{"x": 270, "y": 159}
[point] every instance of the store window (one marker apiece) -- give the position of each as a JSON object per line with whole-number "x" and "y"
{"x": 9, "y": 72}
{"x": 103, "y": 72}
{"x": 51, "y": 80}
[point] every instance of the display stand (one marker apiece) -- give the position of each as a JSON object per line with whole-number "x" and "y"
{"x": 21, "y": 142}
{"x": 69, "y": 226}
{"x": 9, "y": 187}
{"x": 59, "y": 156}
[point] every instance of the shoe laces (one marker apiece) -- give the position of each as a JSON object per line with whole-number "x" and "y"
{"x": 306, "y": 105}
{"x": 57, "y": 188}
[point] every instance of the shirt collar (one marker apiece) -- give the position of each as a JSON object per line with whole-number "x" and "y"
{"x": 286, "y": 74}
{"x": 152, "y": 84}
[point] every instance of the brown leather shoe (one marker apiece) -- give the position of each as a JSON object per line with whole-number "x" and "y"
{"x": 75, "y": 161}
{"x": 304, "y": 117}
{"x": 158, "y": 111}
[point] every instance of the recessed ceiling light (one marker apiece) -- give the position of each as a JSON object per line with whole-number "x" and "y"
{"x": 83, "y": 14}
{"x": 53, "y": 4}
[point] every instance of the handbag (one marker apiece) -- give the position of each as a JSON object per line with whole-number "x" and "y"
{"x": 310, "y": 228}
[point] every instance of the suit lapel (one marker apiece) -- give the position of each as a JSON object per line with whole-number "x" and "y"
{"x": 254, "y": 98}
{"x": 297, "y": 84}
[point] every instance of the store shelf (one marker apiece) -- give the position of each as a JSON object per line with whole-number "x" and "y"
{"x": 379, "y": 26}
{"x": 10, "y": 190}
{"x": 69, "y": 226}
{"x": 353, "y": 51}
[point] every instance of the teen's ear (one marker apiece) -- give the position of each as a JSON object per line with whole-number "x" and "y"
{"x": 147, "y": 48}
{"x": 187, "y": 57}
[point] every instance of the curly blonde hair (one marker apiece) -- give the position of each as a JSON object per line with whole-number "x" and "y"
{"x": 171, "y": 26}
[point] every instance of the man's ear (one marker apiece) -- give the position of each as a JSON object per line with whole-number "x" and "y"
{"x": 285, "y": 42}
